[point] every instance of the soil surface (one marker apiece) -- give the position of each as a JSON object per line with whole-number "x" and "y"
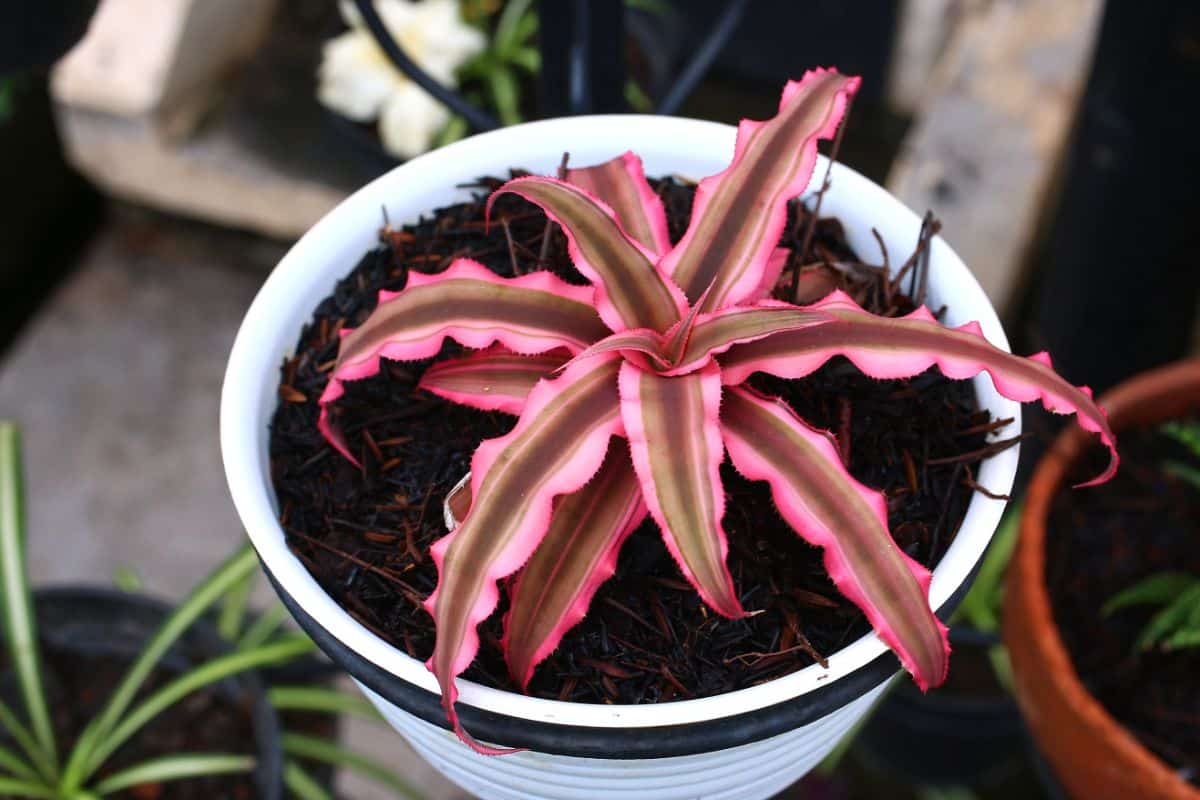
{"x": 1099, "y": 542}
{"x": 647, "y": 638}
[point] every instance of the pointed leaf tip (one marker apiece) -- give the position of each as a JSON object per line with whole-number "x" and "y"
{"x": 558, "y": 444}
{"x": 495, "y": 379}
{"x": 675, "y": 441}
{"x": 630, "y": 292}
{"x": 885, "y": 348}
{"x": 729, "y": 247}
{"x": 621, "y": 183}
{"x": 578, "y": 554}
{"x": 469, "y": 303}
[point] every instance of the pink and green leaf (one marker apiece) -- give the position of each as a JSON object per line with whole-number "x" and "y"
{"x": 828, "y": 508}
{"x": 495, "y": 379}
{"x": 675, "y": 441}
{"x": 739, "y": 214}
{"x": 469, "y": 303}
{"x": 621, "y": 183}
{"x": 630, "y": 292}
{"x": 558, "y": 444}
{"x": 578, "y": 554}
{"x": 884, "y": 347}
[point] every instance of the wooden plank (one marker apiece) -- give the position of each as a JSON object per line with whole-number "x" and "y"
{"x": 922, "y": 32}
{"x": 214, "y": 175}
{"x": 992, "y": 128}
{"x": 159, "y": 59}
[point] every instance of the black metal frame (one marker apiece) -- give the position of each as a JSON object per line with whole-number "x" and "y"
{"x": 583, "y": 64}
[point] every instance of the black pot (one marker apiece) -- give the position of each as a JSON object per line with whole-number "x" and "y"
{"x": 945, "y": 736}
{"x": 106, "y": 622}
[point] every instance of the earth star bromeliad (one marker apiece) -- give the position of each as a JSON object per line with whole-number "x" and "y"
{"x": 629, "y": 395}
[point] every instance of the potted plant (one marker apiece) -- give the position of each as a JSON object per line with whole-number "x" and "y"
{"x": 1093, "y": 666}
{"x": 108, "y": 673}
{"x": 180, "y": 678}
{"x": 669, "y": 301}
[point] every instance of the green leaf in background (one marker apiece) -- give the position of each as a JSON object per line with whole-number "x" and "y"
{"x": 452, "y": 131}
{"x": 263, "y": 628}
{"x": 515, "y": 26}
{"x": 981, "y": 607}
{"x": 11, "y": 787}
{"x": 1180, "y": 640}
{"x": 322, "y": 750}
{"x": 321, "y": 700}
{"x": 1185, "y": 472}
{"x": 1180, "y": 615}
{"x": 12, "y": 762}
{"x": 209, "y": 591}
{"x": 1186, "y": 433}
{"x": 17, "y": 730}
{"x": 20, "y": 628}
{"x": 1155, "y": 590}
{"x": 127, "y": 580}
{"x": 10, "y": 86}
{"x": 175, "y": 767}
{"x": 303, "y": 785}
{"x": 233, "y": 608}
{"x": 502, "y": 86}
{"x": 210, "y": 672}
{"x": 527, "y": 58}
{"x": 638, "y": 100}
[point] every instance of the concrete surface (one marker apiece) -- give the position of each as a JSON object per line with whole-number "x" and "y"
{"x": 116, "y": 384}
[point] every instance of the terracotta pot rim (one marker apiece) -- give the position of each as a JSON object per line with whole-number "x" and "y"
{"x": 1148, "y": 398}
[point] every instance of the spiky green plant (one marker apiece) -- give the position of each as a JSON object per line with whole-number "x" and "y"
{"x": 40, "y": 769}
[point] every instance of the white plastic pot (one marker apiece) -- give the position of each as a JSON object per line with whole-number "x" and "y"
{"x": 745, "y": 744}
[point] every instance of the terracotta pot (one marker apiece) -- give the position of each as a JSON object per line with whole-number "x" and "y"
{"x": 1093, "y": 755}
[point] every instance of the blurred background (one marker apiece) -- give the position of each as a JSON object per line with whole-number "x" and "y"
{"x": 159, "y": 156}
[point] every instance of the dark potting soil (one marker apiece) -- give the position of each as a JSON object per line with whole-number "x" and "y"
{"x": 206, "y": 721}
{"x": 1102, "y": 540}
{"x": 365, "y": 535}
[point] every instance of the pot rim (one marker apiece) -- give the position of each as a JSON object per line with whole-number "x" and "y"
{"x": 1030, "y": 630}
{"x": 668, "y": 145}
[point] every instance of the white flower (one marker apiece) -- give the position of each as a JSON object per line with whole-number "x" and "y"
{"x": 357, "y": 80}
